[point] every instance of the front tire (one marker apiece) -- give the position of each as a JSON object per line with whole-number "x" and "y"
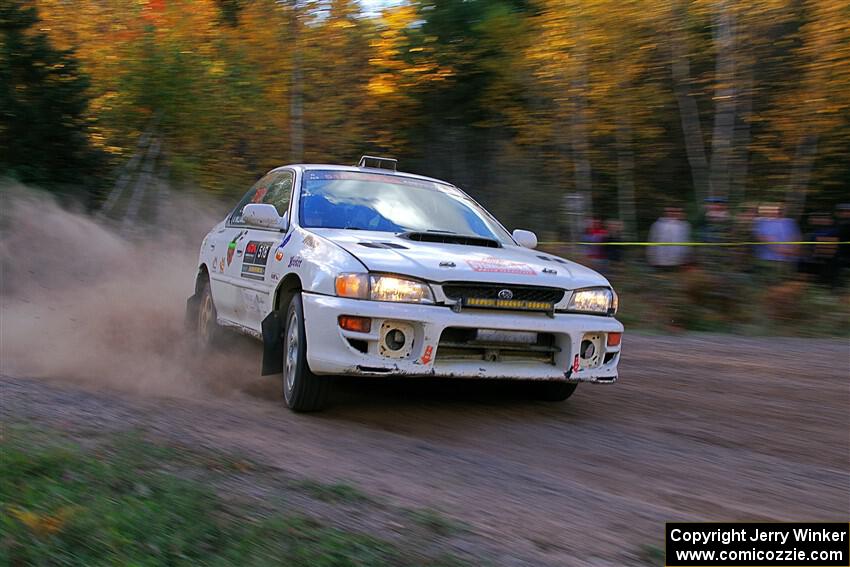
{"x": 553, "y": 391}
{"x": 302, "y": 390}
{"x": 207, "y": 329}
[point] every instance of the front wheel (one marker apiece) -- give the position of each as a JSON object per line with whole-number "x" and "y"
{"x": 302, "y": 390}
{"x": 552, "y": 391}
{"x": 207, "y": 329}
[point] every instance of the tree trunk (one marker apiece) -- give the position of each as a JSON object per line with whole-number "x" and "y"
{"x": 801, "y": 170}
{"x": 688, "y": 111}
{"x": 626, "y": 178}
{"x": 296, "y": 100}
{"x": 741, "y": 154}
{"x": 578, "y": 136}
{"x": 724, "y": 102}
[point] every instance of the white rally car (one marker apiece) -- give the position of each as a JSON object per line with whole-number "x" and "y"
{"x": 372, "y": 272}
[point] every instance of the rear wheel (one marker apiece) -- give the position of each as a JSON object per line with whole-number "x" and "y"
{"x": 552, "y": 391}
{"x": 302, "y": 390}
{"x": 207, "y": 330}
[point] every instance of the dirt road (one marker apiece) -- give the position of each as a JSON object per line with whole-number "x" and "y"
{"x": 699, "y": 428}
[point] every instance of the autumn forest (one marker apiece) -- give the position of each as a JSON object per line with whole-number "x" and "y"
{"x": 625, "y": 106}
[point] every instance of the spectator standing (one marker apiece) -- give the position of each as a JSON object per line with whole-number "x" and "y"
{"x": 716, "y": 225}
{"x": 821, "y": 259}
{"x": 614, "y": 227}
{"x": 776, "y": 259}
{"x": 716, "y": 229}
{"x": 842, "y": 227}
{"x": 597, "y": 252}
{"x": 671, "y": 227}
{"x": 741, "y": 256}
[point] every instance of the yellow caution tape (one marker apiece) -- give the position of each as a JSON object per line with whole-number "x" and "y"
{"x": 823, "y": 243}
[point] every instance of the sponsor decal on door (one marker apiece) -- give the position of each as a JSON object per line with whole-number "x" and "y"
{"x": 255, "y": 259}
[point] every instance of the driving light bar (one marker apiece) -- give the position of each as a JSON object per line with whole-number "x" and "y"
{"x": 508, "y": 304}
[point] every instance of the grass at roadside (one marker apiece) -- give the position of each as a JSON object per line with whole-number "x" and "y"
{"x": 436, "y": 522}
{"x": 651, "y": 554}
{"x": 121, "y": 501}
{"x": 332, "y": 492}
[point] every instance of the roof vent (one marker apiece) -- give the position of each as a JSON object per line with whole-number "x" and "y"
{"x": 377, "y": 162}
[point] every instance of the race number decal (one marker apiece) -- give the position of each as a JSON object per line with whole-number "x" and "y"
{"x": 255, "y": 259}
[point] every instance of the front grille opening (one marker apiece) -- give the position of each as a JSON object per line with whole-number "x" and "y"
{"x": 374, "y": 369}
{"x": 609, "y": 357}
{"x": 459, "y": 343}
{"x": 359, "y": 344}
{"x": 466, "y": 290}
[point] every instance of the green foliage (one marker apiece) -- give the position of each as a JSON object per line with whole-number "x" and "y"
{"x": 517, "y": 101}
{"x": 694, "y": 299}
{"x": 123, "y": 502}
{"x": 43, "y": 105}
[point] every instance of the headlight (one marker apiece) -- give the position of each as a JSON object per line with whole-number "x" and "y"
{"x": 383, "y": 288}
{"x": 594, "y": 300}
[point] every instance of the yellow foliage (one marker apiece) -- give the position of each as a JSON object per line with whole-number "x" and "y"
{"x": 43, "y": 524}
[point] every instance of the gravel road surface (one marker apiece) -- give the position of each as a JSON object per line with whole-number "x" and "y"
{"x": 700, "y": 427}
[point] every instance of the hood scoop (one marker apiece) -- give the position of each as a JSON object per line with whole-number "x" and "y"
{"x": 384, "y": 245}
{"x": 551, "y": 259}
{"x": 448, "y": 238}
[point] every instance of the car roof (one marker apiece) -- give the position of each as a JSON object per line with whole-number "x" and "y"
{"x": 331, "y": 167}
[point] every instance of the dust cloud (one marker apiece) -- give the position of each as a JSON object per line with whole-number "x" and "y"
{"x": 83, "y": 302}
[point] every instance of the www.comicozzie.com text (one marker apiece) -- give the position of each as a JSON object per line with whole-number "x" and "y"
{"x": 726, "y": 536}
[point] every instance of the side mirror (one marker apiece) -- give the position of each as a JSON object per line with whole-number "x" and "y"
{"x": 525, "y": 238}
{"x": 262, "y": 215}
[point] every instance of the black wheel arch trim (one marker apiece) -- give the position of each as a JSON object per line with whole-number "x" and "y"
{"x": 194, "y": 302}
{"x": 274, "y": 325}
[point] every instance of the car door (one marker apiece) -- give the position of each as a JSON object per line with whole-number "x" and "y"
{"x": 250, "y": 248}
{"x": 214, "y": 253}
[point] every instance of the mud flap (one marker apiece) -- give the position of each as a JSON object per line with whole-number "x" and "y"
{"x": 272, "y": 344}
{"x": 191, "y": 319}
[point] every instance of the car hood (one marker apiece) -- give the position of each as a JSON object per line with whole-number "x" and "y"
{"x": 386, "y": 252}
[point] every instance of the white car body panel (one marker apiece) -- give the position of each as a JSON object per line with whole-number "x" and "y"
{"x": 246, "y": 266}
{"x": 336, "y": 356}
{"x": 508, "y": 265}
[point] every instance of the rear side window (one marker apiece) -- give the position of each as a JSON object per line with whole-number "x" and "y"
{"x": 273, "y": 189}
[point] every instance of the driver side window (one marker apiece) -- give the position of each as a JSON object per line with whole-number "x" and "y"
{"x": 273, "y": 189}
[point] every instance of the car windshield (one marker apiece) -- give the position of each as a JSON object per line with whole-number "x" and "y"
{"x": 391, "y": 203}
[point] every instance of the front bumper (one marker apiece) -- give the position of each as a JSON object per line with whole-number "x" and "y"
{"x": 332, "y": 350}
